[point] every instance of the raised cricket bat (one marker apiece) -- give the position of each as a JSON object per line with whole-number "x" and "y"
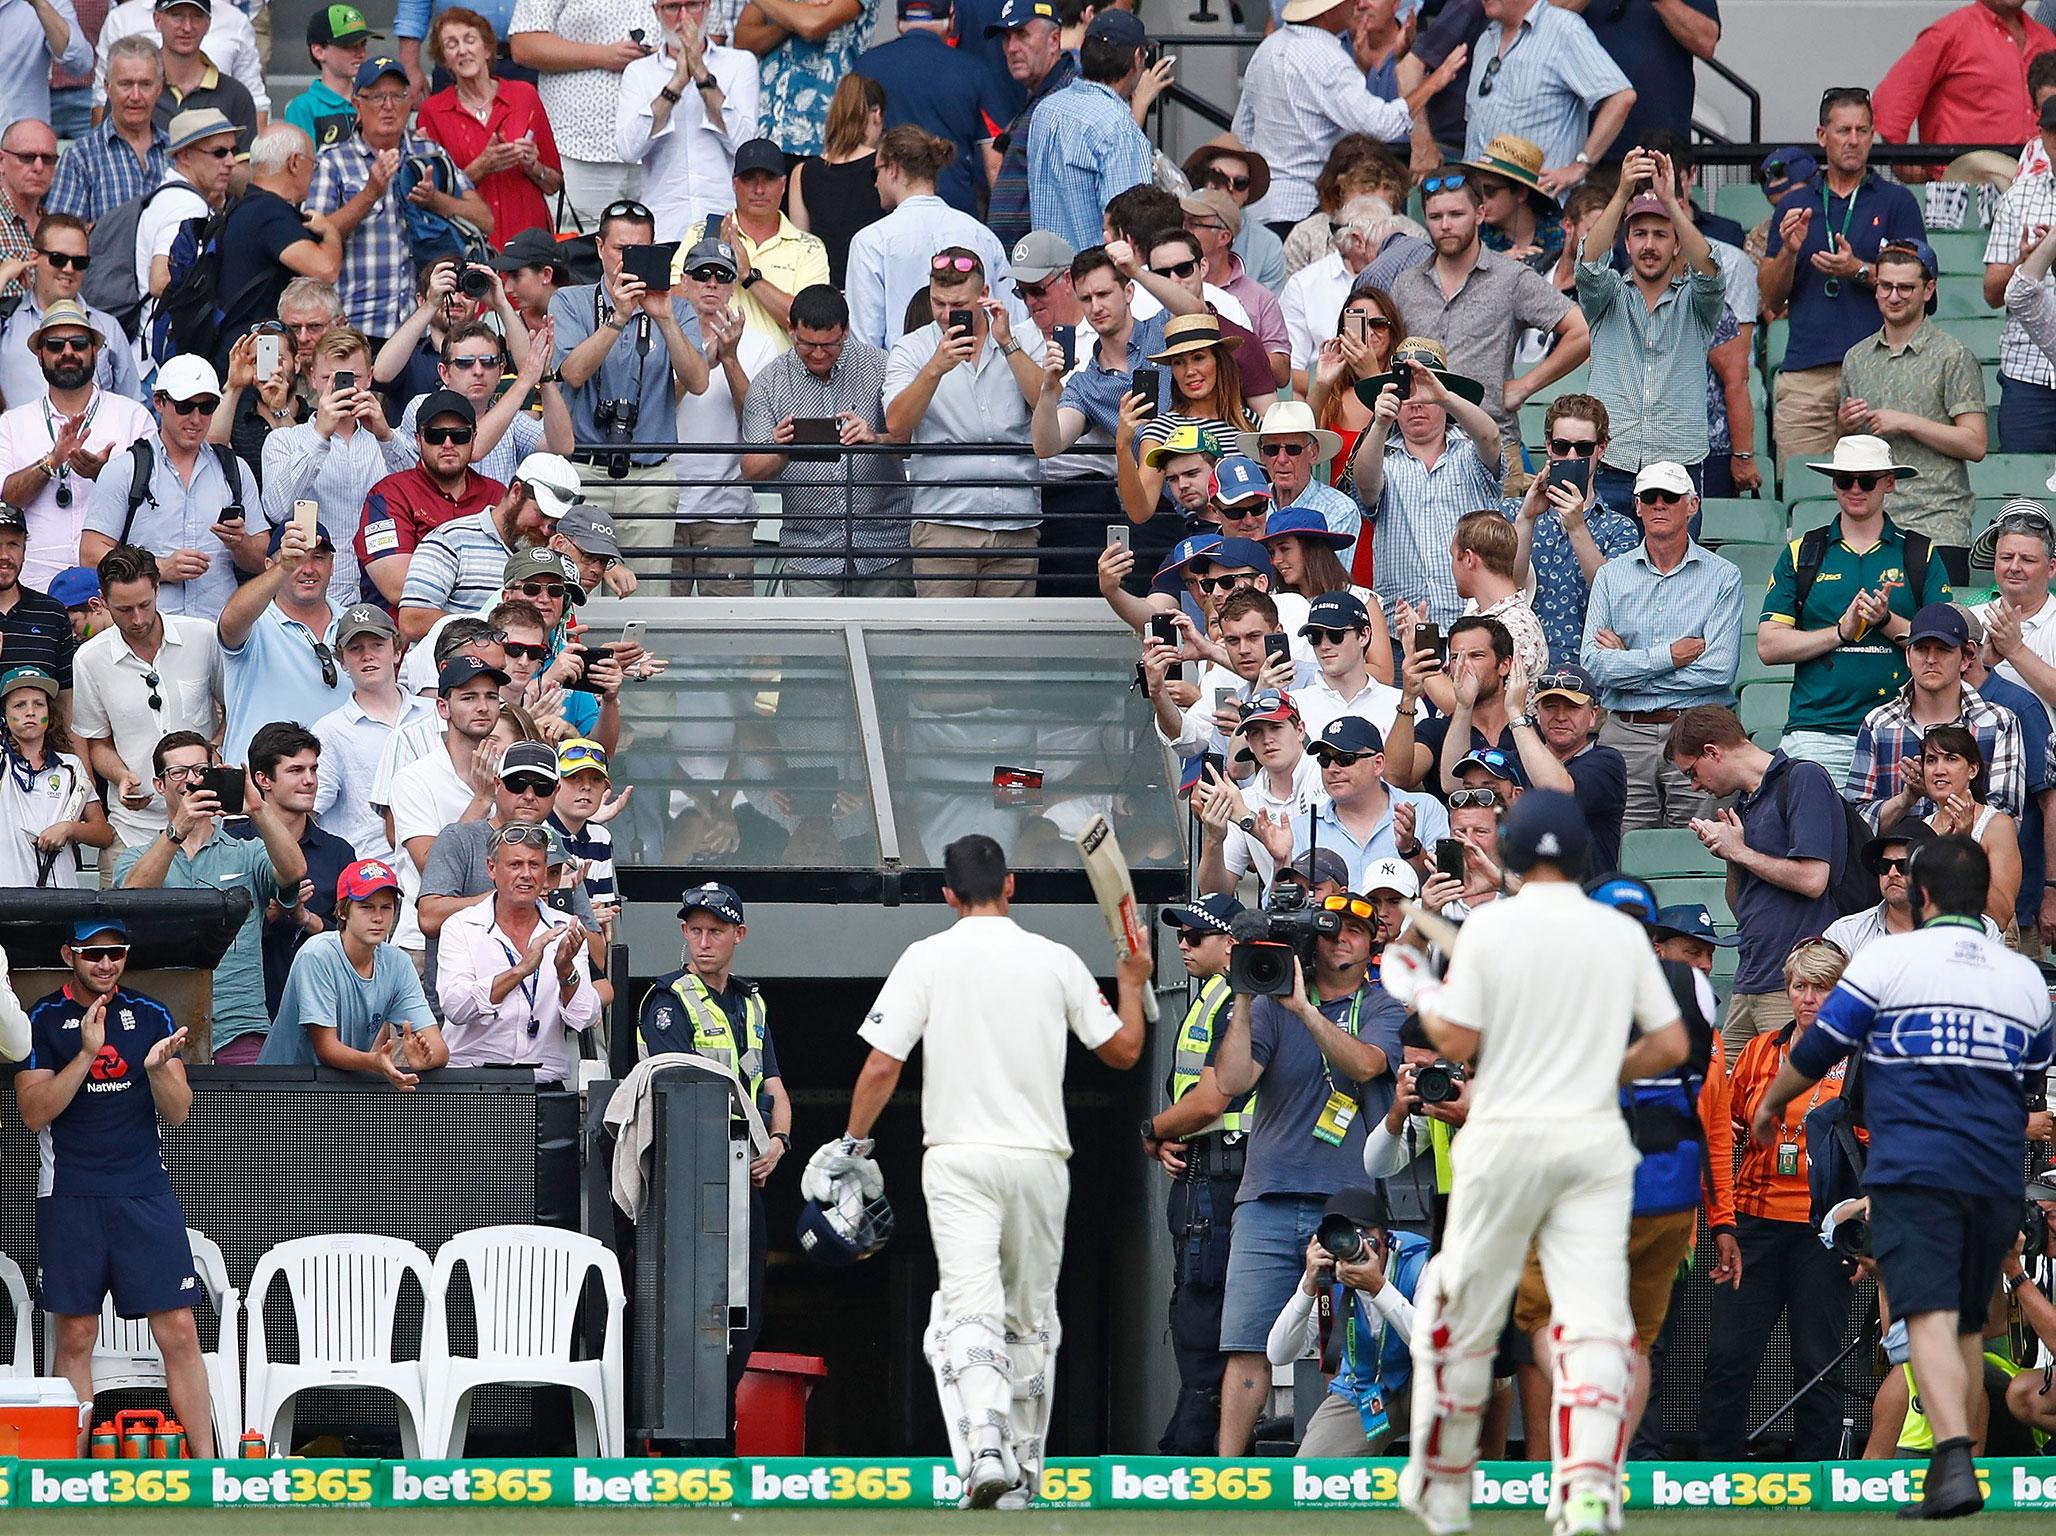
{"x": 1107, "y": 869}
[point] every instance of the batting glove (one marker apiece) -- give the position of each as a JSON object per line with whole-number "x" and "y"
{"x": 1409, "y": 978}
{"x": 838, "y": 1163}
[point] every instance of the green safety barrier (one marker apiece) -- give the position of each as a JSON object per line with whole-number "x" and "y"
{"x": 1104, "y": 1482}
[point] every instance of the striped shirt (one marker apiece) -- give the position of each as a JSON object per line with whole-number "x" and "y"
{"x": 1418, "y": 509}
{"x": 1008, "y": 214}
{"x": 100, "y": 172}
{"x": 1890, "y": 735}
{"x": 377, "y": 281}
{"x": 2027, "y": 203}
{"x": 1648, "y": 609}
{"x": 1649, "y": 365}
{"x": 459, "y": 568}
{"x": 1301, "y": 92}
{"x": 1553, "y": 75}
{"x": 1083, "y": 149}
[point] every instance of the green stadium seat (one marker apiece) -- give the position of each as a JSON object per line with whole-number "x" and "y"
{"x": 1656, "y": 853}
{"x": 1809, "y": 512}
{"x": 1960, "y": 251}
{"x": 1753, "y": 669}
{"x": 1764, "y": 707}
{"x": 2004, "y": 475}
{"x": 1708, "y": 891}
{"x": 1741, "y": 520}
{"x": 1755, "y": 561}
{"x": 1743, "y": 202}
{"x": 1981, "y": 336}
{"x": 1572, "y": 383}
{"x": 1774, "y": 338}
{"x": 1991, "y": 377}
{"x": 1725, "y": 963}
{"x": 1961, "y": 298}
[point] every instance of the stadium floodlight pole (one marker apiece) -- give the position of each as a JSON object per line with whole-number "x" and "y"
{"x": 1863, "y": 1335}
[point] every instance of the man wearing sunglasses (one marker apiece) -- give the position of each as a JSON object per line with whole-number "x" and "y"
{"x": 1565, "y": 531}
{"x": 408, "y": 505}
{"x": 1566, "y": 705}
{"x": 1364, "y": 817}
{"x": 54, "y": 269}
{"x": 1840, "y": 603}
{"x": 717, "y": 513}
{"x": 105, "y": 1066}
{"x": 1338, "y": 628}
{"x": 277, "y": 640}
{"x": 460, "y": 567}
{"x": 1292, "y": 446}
{"x": 1282, "y": 790}
{"x": 203, "y": 149}
{"x": 1888, "y": 856}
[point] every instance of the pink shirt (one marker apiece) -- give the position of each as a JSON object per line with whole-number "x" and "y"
{"x": 1964, "y": 81}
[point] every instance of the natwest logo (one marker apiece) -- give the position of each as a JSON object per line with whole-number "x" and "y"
{"x": 109, "y": 1066}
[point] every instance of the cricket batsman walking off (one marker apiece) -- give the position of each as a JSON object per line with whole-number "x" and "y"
{"x": 1544, "y": 994}
{"x": 993, "y": 1004}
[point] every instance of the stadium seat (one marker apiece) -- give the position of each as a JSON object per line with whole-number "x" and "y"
{"x": 1744, "y": 202}
{"x": 1764, "y": 707}
{"x": 1753, "y": 668}
{"x": 22, "y": 1362}
{"x": 526, "y": 1283}
{"x": 2005, "y": 475}
{"x": 345, "y": 1290}
{"x": 1961, "y": 297}
{"x": 1981, "y": 336}
{"x": 1725, "y": 963}
{"x": 1708, "y": 891}
{"x": 125, "y": 1354}
{"x": 1740, "y": 520}
{"x": 1959, "y": 251}
{"x": 1755, "y": 561}
{"x": 1657, "y": 853}
{"x": 1809, "y": 512}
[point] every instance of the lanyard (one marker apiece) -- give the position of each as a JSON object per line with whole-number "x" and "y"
{"x": 1347, "y": 1026}
{"x": 1799, "y": 1130}
{"x": 529, "y": 987}
{"x": 50, "y": 426}
{"x": 1833, "y": 286}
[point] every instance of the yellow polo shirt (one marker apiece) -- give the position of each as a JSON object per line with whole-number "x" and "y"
{"x": 790, "y": 260}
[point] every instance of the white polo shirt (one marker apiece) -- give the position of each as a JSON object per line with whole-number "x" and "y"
{"x": 2037, "y": 633}
{"x": 352, "y": 743}
{"x": 1320, "y": 705}
{"x": 111, "y": 696}
{"x": 1240, "y": 851}
{"x": 427, "y": 796}
{"x": 992, "y": 1003}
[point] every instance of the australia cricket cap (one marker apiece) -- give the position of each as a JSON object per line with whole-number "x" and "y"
{"x": 1209, "y": 914}
{"x": 366, "y": 878}
{"x": 713, "y": 897}
{"x": 338, "y": 24}
{"x": 1544, "y": 825}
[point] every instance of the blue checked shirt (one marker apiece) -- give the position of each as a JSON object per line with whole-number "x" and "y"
{"x": 1545, "y": 89}
{"x": 1416, "y": 516}
{"x": 1083, "y": 149}
{"x": 377, "y": 281}
{"x": 100, "y": 172}
{"x": 1560, "y": 589}
{"x": 1649, "y": 365}
{"x": 1889, "y": 735}
{"x": 1649, "y": 609}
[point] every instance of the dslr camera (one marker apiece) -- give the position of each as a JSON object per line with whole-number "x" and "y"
{"x": 616, "y": 420}
{"x": 1439, "y": 1082}
{"x": 1260, "y": 964}
{"x": 1341, "y": 1239}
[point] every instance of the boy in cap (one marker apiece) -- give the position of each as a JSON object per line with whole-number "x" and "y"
{"x": 1284, "y": 788}
{"x": 336, "y": 38}
{"x": 353, "y": 735}
{"x": 585, "y": 802}
{"x": 104, "y": 1067}
{"x": 76, "y": 589}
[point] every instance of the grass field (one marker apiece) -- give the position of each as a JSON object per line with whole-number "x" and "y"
{"x": 891, "y": 1522}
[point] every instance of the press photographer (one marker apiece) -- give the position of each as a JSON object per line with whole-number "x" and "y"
{"x": 1361, "y": 1273}
{"x": 1322, "y": 1053}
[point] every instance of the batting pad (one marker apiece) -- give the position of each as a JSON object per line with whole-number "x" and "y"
{"x": 974, "y": 1381}
{"x": 1587, "y": 1422}
{"x": 1451, "y": 1387}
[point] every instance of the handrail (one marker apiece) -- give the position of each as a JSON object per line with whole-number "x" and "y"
{"x": 1749, "y": 93}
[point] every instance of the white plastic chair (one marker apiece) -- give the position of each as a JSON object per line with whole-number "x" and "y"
{"x": 345, "y": 1291}
{"x": 125, "y": 1354}
{"x": 21, "y": 1362}
{"x": 526, "y": 1283}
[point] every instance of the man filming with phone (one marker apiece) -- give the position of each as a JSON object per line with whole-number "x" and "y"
{"x": 192, "y": 854}
{"x": 1563, "y": 531}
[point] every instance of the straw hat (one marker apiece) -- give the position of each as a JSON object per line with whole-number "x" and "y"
{"x": 1513, "y": 159}
{"x": 1188, "y": 333}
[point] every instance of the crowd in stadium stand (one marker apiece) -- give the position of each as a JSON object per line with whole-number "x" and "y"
{"x": 1424, "y": 426}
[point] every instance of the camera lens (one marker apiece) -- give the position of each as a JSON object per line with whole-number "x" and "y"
{"x": 1340, "y": 1239}
{"x": 1435, "y": 1083}
{"x": 475, "y": 283}
{"x": 1852, "y": 1238}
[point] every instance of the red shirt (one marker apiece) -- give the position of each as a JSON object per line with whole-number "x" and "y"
{"x": 406, "y": 507}
{"x": 517, "y": 203}
{"x": 1964, "y": 81}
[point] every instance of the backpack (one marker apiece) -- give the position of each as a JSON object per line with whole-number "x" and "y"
{"x": 191, "y": 310}
{"x": 146, "y": 465}
{"x": 430, "y": 236}
{"x": 1813, "y": 552}
{"x": 1835, "y": 1159}
{"x": 1856, "y": 889}
{"x": 110, "y": 282}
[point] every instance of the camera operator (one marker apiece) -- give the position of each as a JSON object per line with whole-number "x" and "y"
{"x": 1362, "y": 1273}
{"x": 1942, "y": 1015}
{"x": 1201, "y": 1140}
{"x": 1323, "y": 1056}
{"x": 2030, "y": 1280}
{"x": 447, "y": 295}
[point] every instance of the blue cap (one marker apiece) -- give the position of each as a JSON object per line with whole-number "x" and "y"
{"x": 1240, "y": 554}
{"x": 278, "y": 537}
{"x": 1570, "y": 681}
{"x": 75, "y": 586}
{"x": 83, "y": 928}
{"x": 1240, "y": 479}
{"x": 1122, "y": 28}
{"x": 371, "y": 69}
{"x": 1692, "y": 921}
{"x": 1317, "y": 865}
{"x": 1335, "y": 610}
{"x": 1940, "y": 621}
{"x": 1183, "y": 553}
{"x": 1348, "y": 736}
{"x": 1018, "y": 13}
{"x": 713, "y": 897}
{"x": 1624, "y": 893}
{"x": 1794, "y": 164}
{"x": 1211, "y": 913}
{"x": 1304, "y": 523}
{"x": 1545, "y": 824}
{"x": 1500, "y": 764}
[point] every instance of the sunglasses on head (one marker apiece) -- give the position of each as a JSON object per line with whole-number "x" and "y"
{"x": 1454, "y": 182}
{"x": 1564, "y": 448}
{"x": 627, "y": 208}
{"x": 948, "y": 263}
{"x": 530, "y": 784}
{"x": 63, "y": 259}
{"x": 521, "y": 834}
{"x": 437, "y": 436}
{"x": 524, "y": 652}
{"x": 206, "y": 403}
{"x": 1836, "y": 94}
{"x": 1461, "y": 799}
{"x": 1272, "y": 450}
{"x": 1355, "y": 906}
{"x": 1656, "y": 498}
{"x": 1183, "y": 268}
{"x": 585, "y": 756}
{"x": 1846, "y": 482}
{"x": 2026, "y": 522}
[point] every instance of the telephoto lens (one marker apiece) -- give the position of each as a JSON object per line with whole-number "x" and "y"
{"x": 476, "y": 282}
{"x": 1339, "y": 1237}
{"x": 1852, "y": 1238}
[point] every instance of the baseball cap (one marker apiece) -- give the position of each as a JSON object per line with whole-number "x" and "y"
{"x": 364, "y": 619}
{"x": 338, "y": 24}
{"x": 366, "y": 878}
{"x": 322, "y": 540}
{"x": 1544, "y": 824}
{"x": 582, "y": 754}
{"x": 1237, "y": 479}
{"x": 1500, "y": 764}
{"x": 27, "y": 677}
{"x": 1691, "y": 920}
{"x": 711, "y": 252}
{"x": 1625, "y": 893}
{"x": 12, "y": 516}
{"x": 187, "y": 377}
{"x": 1241, "y": 554}
{"x": 713, "y": 897}
{"x": 536, "y": 757}
{"x": 83, "y": 928}
{"x": 1018, "y": 13}
{"x": 1569, "y": 681}
{"x": 1320, "y": 866}
{"x": 1268, "y": 704}
{"x": 1348, "y": 736}
{"x": 758, "y": 155}
{"x": 1939, "y": 621}
{"x": 533, "y": 248}
{"x": 1182, "y": 554}
{"x": 1644, "y": 203}
{"x": 1792, "y": 164}
{"x": 924, "y": 10}
{"x": 167, "y": 5}
{"x": 1038, "y": 255}
{"x": 74, "y": 586}
{"x": 553, "y": 480}
{"x": 1212, "y": 202}
{"x": 445, "y": 402}
{"x": 459, "y": 670}
{"x": 1360, "y": 1205}
{"x": 1335, "y": 610}
{"x": 1663, "y": 475}
{"x": 1391, "y": 875}
{"x": 372, "y": 70}
{"x": 526, "y": 563}
{"x": 1184, "y": 438}
{"x": 1214, "y": 914}
{"x": 1121, "y": 28}
{"x": 590, "y": 532}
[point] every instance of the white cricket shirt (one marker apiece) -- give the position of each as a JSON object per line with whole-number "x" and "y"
{"x": 1554, "y": 983}
{"x": 992, "y": 1002}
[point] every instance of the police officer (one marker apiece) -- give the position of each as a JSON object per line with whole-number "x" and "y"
{"x": 1200, "y": 1141}
{"x": 704, "y": 1009}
